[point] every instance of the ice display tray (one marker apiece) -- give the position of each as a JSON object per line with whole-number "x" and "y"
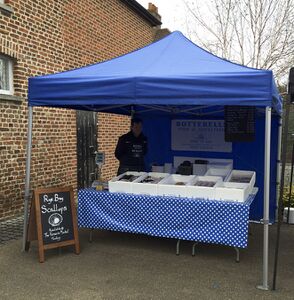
{"x": 116, "y": 185}
{"x": 148, "y": 188}
{"x": 244, "y": 177}
{"x": 198, "y": 187}
{"x": 232, "y": 191}
{"x": 224, "y": 173}
{"x": 169, "y": 186}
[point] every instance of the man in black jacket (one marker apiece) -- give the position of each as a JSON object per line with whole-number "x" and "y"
{"x": 131, "y": 148}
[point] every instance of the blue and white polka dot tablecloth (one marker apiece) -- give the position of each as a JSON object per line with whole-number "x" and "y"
{"x": 208, "y": 221}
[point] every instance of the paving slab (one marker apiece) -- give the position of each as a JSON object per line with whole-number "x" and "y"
{"x": 125, "y": 266}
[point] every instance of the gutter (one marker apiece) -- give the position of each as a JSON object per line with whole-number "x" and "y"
{"x": 143, "y": 12}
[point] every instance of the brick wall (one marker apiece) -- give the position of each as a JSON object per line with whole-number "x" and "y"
{"x": 47, "y": 37}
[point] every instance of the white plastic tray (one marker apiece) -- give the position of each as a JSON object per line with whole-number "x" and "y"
{"x": 205, "y": 192}
{"x": 116, "y": 186}
{"x": 147, "y": 188}
{"x": 167, "y": 186}
{"x": 232, "y": 191}
{"x": 245, "y": 173}
{"x": 224, "y": 173}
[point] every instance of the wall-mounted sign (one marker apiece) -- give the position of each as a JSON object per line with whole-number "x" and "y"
{"x": 199, "y": 135}
{"x": 239, "y": 123}
{"x": 100, "y": 159}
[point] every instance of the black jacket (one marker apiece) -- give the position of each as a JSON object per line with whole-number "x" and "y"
{"x": 130, "y": 150}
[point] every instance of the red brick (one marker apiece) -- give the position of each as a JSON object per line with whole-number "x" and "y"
{"x": 48, "y": 37}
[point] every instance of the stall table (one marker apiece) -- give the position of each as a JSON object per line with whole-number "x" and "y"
{"x": 198, "y": 220}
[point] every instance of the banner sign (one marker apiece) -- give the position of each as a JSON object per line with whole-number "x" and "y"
{"x": 199, "y": 135}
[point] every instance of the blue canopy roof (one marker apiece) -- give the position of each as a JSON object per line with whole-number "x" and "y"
{"x": 170, "y": 72}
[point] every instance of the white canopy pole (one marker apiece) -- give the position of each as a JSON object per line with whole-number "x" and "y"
{"x": 27, "y": 180}
{"x": 267, "y": 153}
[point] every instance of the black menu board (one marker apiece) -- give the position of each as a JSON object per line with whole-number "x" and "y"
{"x": 56, "y": 217}
{"x": 239, "y": 123}
{"x": 53, "y": 220}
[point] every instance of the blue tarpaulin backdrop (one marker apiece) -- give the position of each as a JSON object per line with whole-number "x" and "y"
{"x": 168, "y": 79}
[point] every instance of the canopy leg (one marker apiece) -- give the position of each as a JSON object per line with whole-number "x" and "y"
{"x": 237, "y": 254}
{"x": 178, "y": 247}
{"x": 27, "y": 179}
{"x": 267, "y": 149}
{"x": 194, "y": 248}
{"x": 91, "y": 235}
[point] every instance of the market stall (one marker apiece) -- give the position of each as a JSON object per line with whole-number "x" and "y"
{"x": 169, "y": 81}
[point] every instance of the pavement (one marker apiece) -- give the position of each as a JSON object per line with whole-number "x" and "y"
{"x": 125, "y": 266}
{"x": 11, "y": 229}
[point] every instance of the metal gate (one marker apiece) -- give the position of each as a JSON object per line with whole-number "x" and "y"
{"x": 86, "y": 147}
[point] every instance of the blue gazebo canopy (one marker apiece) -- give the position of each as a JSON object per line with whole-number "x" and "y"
{"x": 170, "y": 72}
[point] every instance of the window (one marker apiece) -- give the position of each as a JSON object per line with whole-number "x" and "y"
{"x": 6, "y": 75}
{"x": 5, "y": 8}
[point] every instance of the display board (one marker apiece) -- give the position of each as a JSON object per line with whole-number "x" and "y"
{"x": 54, "y": 216}
{"x": 239, "y": 123}
{"x": 199, "y": 135}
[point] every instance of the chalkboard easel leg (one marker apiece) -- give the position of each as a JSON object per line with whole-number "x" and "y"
{"x": 77, "y": 248}
{"x": 41, "y": 255}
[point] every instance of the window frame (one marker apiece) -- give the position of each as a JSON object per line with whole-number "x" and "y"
{"x": 10, "y": 91}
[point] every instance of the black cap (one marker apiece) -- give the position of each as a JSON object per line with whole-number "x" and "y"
{"x": 136, "y": 120}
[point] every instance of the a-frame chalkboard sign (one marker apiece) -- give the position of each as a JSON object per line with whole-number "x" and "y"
{"x": 53, "y": 220}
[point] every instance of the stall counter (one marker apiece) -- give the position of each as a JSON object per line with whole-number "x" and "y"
{"x": 208, "y": 221}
